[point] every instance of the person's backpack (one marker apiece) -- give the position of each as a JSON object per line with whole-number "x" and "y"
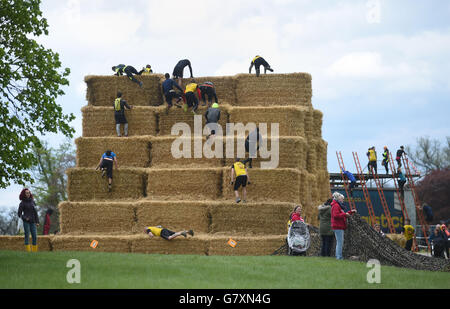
{"x": 117, "y": 105}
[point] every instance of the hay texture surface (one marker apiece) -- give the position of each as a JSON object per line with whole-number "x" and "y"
{"x": 99, "y": 121}
{"x": 87, "y": 184}
{"x": 102, "y": 90}
{"x": 179, "y": 245}
{"x": 82, "y": 243}
{"x": 17, "y": 243}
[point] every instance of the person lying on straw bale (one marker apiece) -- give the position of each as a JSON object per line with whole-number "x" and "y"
{"x": 129, "y": 71}
{"x": 170, "y": 93}
{"x": 208, "y": 89}
{"x": 242, "y": 178}
{"x": 146, "y": 71}
{"x": 259, "y": 61}
{"x": 165, "y": 233}
{"x": 106, "y": 165}
{"x": 191, "y": 99}
{"x": 212, "y": 116}
{"x": 179, "y": 68}
{"x": 119, "y": 114}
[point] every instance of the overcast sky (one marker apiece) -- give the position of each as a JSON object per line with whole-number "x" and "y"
{"x": 379, "y": 68}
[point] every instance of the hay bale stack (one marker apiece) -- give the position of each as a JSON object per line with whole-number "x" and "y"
{"x": 97, "y": 217}
{"x": 131, "y": 151}
{"x": 399, "y": 239}
{"x": 83, "y": 242}
{"x": 87, "y": 184}
{"x": 290, "y": 119}
{"x": 102, "y": 90}
{"x": 274, "y": 89}
{"x": 174, "y": 215}
{"x": 250, "y": 218}
{"x": 162, "y": 157}
{"x": 17, "y": 243}
{"x": 99, "y": 121}
{"x": 278, "y": 185}
{"x": 179, "y": 245}
{"x": 246, "y": 245}
{"x": 177, "y": 115}
{"x": 184, "y": 184}
{"x": 292, "y": 152}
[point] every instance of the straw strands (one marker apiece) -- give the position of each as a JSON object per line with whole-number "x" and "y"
{"x": 17, "y": 243}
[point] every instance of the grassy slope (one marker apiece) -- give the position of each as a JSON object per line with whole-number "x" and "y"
{"x": 131, "y": 271}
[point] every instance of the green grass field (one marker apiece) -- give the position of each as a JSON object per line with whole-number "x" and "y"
{"x": 48, "y": 270}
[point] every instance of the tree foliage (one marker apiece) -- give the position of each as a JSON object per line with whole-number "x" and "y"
{"x": 31, "y": 79}
{"x": 429, "y": 154}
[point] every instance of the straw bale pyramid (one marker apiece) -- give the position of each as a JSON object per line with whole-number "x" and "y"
{"x": 153, "y": 188}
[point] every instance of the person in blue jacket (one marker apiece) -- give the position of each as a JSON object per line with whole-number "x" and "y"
{"x": 170, "y": 93}
{"x": 352, "y": 180}
{"x": 106, "y": 165}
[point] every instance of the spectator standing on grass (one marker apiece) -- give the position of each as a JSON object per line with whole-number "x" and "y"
{"x": 165, "y": 233}
{"x": 27, "y": 212}
{"x": 47, "y": 221}
{"x": 239, "y": 170}
{"x": 339, "y": 221}
{"x": 325, "y": 231}
{"x": 408, "y": 232}
{"x": 119, "y": 114}
{"x": 106, "y": 165}
{"x": 439, "y": 242}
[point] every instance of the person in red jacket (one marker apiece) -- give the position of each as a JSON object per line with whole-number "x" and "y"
{"x": 47, "y": 221}
{"x": 339, "y": 221}
{"x": 296, "y": 214}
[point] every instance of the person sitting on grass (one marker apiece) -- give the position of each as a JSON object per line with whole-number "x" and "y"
{"x": 242, "y": 178}
{"x": 165, "y": 233}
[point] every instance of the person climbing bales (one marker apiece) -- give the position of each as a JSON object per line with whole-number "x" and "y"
{"x": 129, "y": 70}
{"x": 252, "y": 143}
{"x": 191, "y": 98}
{"x": 208, "y": 89}
{"x": 257, "y": 62}
{"x": 167, "y": 234}
{"x": 179, "y": 68}
{"x": 119, "y": 114}
{"x": 212, "y": 116}
{"x": 170, "y": 93}
{"x": 147, "y": 70}
{"x": 239, "y": 170}
{"x": 106, "y": 166}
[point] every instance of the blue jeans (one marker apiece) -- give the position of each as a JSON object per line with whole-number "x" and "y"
{"x": 30, "y": 227}
{"x": 339, "y": 234}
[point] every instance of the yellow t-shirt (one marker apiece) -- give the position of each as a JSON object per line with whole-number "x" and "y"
{"x": 147, "y": 71}
{"x": 409, "y": 232}
{"x": 372, "y": 155}
{"x": 155, "y": 230}
{"x": 253, "y": 61}
{"x": 191, "y": 87}
{"x": 239, "y": 169}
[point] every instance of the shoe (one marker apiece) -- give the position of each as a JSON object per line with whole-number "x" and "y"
{"x": 191, "y": 232}
{"x": 34, "y": 248}
{"x": 184, "y": 234}
{"x": 238, "y": 200}
{"x": 103, "y": 173}
{"x": 109, "y": 188}
{"x": 28, "y": 248}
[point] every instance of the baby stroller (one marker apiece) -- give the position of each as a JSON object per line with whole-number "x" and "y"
{"x": 298, "y": 238}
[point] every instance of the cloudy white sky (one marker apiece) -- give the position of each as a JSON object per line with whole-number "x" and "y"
{"x": 379, "y": 67}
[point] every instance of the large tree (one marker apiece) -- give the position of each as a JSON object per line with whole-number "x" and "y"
{"x": 429, "y": 154}
{"x": 31, "y": 79}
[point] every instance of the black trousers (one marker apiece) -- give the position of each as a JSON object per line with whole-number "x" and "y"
{"x": 327, "y": 244}
{"x": 191, "y": 100}
{"x": 129, "y": 70}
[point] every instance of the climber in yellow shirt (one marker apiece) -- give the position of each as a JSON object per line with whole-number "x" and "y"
{"x": 165, "y": 233}
{"x": 191, "y": 99}
{"x": 242, "y": 178}
{"x": 408, "y": 232}
{"x": 257, "y": 62}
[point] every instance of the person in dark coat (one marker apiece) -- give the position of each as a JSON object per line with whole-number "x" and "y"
{"x": 212, "y": 116}
{"x": 385, "y": 161}
{"x": 439, "y": 241}
{"x": 252, "y": 143}
{"x": 179, "y": 68}
{"x": 399, "y": 155}
{"x": 170, "y": 93}
{"x": 27, "y": 212}
{"x": 106, "y": 163}
{"x": 119, "y": 114}
{"x": 257, "y": 62}
{"x": 325, "y": 231}
{"x": 207, "y": 89}
{"x": 47, "y": 221}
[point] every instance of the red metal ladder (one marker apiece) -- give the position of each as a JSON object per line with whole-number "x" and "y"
{"x": 383, "y": 201}
{"x": 416, "y": 199}
{"x": 351, "y": 202}
{"x": 364, "y": 189}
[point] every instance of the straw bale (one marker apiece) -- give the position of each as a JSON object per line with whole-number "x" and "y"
{"x": 162, "y": 157}
{"x": 292, "y": 152}
{"x": 179, "y": 245}
{"x": 173, "y": 215}
{"x": 131, "y": 151}
{"x": 176, "y": 115}
{"x": 290, "y": 119}
{"x": 82, "y": 243}
{"x": 274, "y": 89}
{"x": 184, "y": 184}
{"x": 317, "y": 120}
{"x": 97, "y": 217}
{"x": 398, "y": 239}
{"x": 87, "y": 184}
{"x": 282, "y": 185}
{"x": 99, "y": 121}
{"x": 102, "y": 90}
{"x": 246, "y": 245}
{"x": 17, "y": 243}
{"x": 250, "y": 218}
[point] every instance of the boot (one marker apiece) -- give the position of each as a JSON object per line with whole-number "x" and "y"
{"x": 34, "y": 248}
{"x": 28, "y": 248}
